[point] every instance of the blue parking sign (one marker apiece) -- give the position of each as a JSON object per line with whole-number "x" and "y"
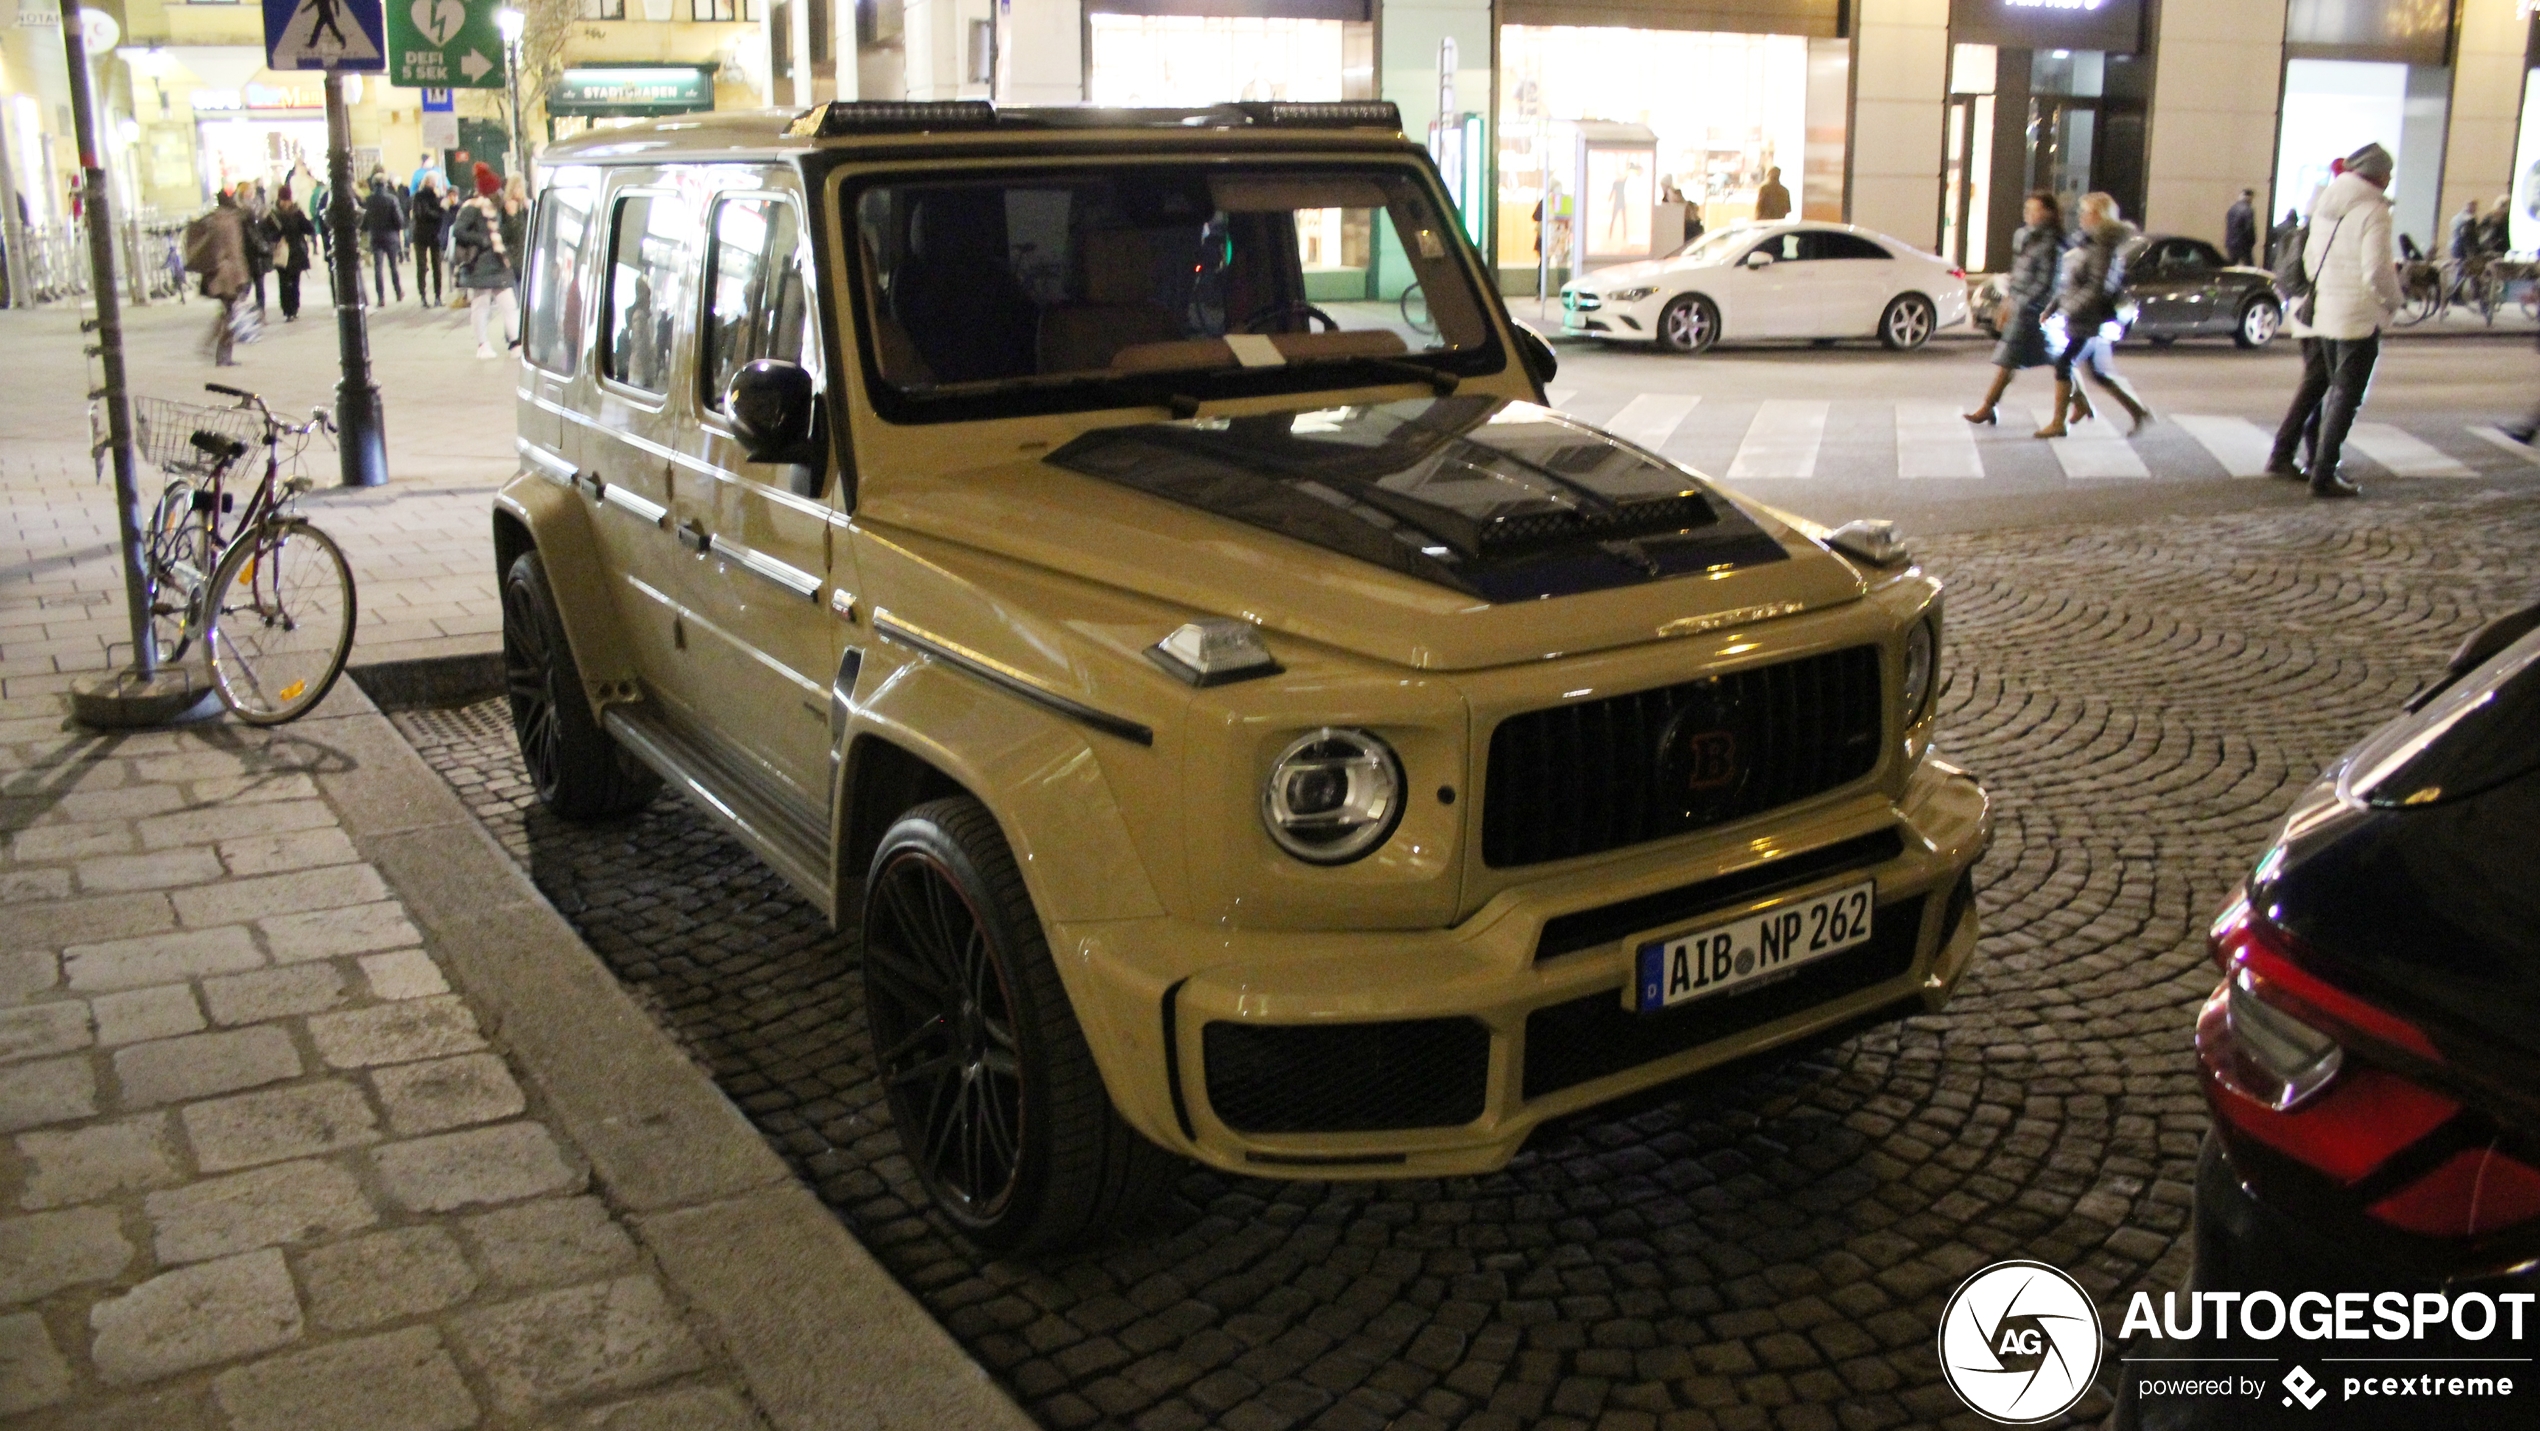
{"x": 343, "y": 35}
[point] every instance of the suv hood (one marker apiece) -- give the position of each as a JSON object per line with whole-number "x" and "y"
{"x": 1442, "y": 533}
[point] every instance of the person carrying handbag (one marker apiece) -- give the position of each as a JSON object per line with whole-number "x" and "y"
{"x": 2093, "y": 273}
{"x": 480, "y": 264}
{"x": 2352, "y": 292}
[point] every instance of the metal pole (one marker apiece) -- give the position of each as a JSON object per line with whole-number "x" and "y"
{"x": 520, "y": 137}
{"x": 363, "y": 441}
{"x": 109, "y": 349}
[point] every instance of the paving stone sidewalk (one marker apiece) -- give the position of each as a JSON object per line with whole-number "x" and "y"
{"x": 259, "y": 1166}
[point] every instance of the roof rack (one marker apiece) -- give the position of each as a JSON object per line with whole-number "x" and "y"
{"x": 893, "y": 116}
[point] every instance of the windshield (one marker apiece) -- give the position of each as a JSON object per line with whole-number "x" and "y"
{"x": 1077, "y": 288}
{"x": 1716, "y": 247}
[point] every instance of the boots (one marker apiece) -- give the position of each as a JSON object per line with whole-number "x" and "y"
{"x": 2063, "y": 399}
{"x": 1983, "y": 415}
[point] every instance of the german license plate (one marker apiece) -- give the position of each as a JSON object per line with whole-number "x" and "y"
{"x": 1754, "y": 950}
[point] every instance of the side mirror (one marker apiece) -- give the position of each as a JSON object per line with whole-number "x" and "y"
{"x": 1541, "y": 362}
{"x": 1759, "y": 259}
{"x": 774, "y": 411}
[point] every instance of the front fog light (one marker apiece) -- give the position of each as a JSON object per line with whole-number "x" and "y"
{"x": 1922, "y": 663}
{"x": 1334, "y": 795}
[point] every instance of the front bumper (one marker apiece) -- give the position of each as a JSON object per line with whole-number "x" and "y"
{"x": 1472, "y": 998}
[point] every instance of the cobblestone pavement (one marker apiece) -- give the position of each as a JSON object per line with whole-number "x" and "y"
{"x": 1764, "y": 1249}
{"x": 259, "y": 1165}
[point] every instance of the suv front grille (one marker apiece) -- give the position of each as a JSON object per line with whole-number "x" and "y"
{"x": 1589, "y": 1038}
{"x": 1603, "y": 775}
{"x": 1347, "y": 1078}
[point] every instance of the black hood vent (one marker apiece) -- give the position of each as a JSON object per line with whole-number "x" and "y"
{"x": 1503, "y": 501}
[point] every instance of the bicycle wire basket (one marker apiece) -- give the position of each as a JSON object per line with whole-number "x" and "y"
{"x": 163, "y": 431}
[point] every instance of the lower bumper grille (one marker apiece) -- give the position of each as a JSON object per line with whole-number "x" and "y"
{"x": 1592, "y": 1037}
{"x": 1347, "y": 1078}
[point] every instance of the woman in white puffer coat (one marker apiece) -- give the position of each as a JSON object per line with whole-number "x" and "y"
{"x": 2355, "y": 291}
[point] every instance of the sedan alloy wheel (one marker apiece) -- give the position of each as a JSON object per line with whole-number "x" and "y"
{"x": 1690, "y": 324}
{"x": 2259, "y": 323}
{"x": 1908, "y": 323}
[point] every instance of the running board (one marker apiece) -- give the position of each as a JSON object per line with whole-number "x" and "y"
{"x": 789, "y": 843}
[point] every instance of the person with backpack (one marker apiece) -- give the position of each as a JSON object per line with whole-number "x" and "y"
{"x": 2093, "y": 275}
{"x": 2342, "y": 288}
{"x": 216, "y": 250}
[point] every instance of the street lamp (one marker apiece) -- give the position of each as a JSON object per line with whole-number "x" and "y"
{"x": 511, "y": 22}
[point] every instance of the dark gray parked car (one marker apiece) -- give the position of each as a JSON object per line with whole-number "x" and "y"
{"x": 2181, "y": 288}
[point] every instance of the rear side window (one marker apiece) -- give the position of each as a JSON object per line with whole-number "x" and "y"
{"x": 649, "y": 243}
{"x": 552, "y": 335}
{"x": 756, "y": 302}
{"x": 1828, "y": 244}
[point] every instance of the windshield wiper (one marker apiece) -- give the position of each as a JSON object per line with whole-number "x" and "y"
{"x": 1440, "y": 381}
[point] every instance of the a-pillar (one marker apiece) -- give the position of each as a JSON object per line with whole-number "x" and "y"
{"x": 1410, "y": 36}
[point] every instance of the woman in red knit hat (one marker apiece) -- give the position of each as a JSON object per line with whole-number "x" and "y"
{"x": 481, "y": 264}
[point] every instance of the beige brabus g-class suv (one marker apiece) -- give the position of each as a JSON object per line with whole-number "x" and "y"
{"x": 1121, "y": 564}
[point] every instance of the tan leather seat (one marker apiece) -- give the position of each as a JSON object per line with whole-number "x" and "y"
{"x": 1119, "y": 309}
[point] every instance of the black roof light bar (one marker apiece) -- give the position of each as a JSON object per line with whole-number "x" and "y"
{"x": 894, "y": 116}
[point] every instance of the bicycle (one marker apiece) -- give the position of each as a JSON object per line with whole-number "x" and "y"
{"x": 269, "y": 596}
{"x": 1415, "y": 311}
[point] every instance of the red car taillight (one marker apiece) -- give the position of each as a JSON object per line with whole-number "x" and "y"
{"x": 2307, "y": 1069}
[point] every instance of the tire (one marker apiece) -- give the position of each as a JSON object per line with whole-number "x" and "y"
{"x": 1005, "y": 1119}
{"x": 1690, "y": 323}
{"x": 578, "y": 771}
{"x": 2260, "y": 321}
{"x": 1908, "y": 322}
{"x": 280, "y": 621}
{"x": 172, "y": 569}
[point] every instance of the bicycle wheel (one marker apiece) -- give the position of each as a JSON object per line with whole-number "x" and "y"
{"x": 172, "y": 570}
{"x": 280, "y": 621}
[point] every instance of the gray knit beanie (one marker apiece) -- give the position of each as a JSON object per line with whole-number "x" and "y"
{"x": 2372, "y": 161}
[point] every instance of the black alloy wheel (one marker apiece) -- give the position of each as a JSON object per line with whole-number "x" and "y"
{"x": 578, "y": 770}
{"x": 999, "y": 1105}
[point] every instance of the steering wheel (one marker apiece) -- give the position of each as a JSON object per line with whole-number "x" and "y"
{"x": 1283, "y": 313}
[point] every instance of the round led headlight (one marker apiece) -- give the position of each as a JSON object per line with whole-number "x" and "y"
{"x": 1922, "y": 666}
{"x": 1334, "y": 795}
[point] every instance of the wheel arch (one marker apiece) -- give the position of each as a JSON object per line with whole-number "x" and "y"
{"x": 532, "y": 514}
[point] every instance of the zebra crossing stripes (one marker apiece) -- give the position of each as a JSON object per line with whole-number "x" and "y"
{"x": 2496, "y": 437}
{"x": 2094, "y": 449}
{"x": 2404, "y": 454}
{"x": 2241, "y": 446}
{"x": 1933, "y": 440}
{"x": 1782, "y": 441}
{"x": 1652, "y": 418}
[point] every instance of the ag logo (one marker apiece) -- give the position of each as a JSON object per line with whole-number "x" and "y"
{"x": 2019, "y": 1342}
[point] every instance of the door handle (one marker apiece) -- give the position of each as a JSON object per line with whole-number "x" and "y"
{"x": 693, "y": 535}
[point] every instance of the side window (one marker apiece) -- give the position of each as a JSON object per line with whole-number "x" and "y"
{"x": 648, "y": 256}
{"x": 1785, "y": 248}
{"x": 553, "y": 328}
{"x": 756, "y": 303}
{"x": 1825, "y": 243}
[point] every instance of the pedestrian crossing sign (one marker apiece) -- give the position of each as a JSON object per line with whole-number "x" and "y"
{"x": 342, "y": 35}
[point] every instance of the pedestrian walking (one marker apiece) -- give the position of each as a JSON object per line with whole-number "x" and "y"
{"x": 216, "y": 249}
{"x": 2029, "y": 288}
{"x": 2354, "y": 291}
{"x": 2495, "y": 232}
{"x": 384, "y": 225}
{"x": 479, "y": 264}
{"x": 1772, "y": 201}
{"x": 2281, "y": 235}
{"x": 2240, "y": 229}
{"x": 293, "y": 236}
{"x": 425, "y": 229}
{"x": 515, "y": 222}
{"x": 251, "y": 229}
{"x": 2093, "y": 272}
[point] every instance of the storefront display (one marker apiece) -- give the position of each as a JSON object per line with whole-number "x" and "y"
{"x": 2334, "y": 107}
{"x": 2526, "y": 191}
{"x": 1190, "y": 60}
{"x": 1721, "y": 111}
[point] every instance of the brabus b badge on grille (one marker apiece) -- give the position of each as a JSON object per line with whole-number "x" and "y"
{"x": 1710, "y": 760}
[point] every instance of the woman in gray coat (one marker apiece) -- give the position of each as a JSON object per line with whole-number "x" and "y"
{"x": 2034, "y": 251}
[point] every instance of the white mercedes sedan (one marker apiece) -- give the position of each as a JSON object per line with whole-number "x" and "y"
{"x": 1777, "y": 280}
